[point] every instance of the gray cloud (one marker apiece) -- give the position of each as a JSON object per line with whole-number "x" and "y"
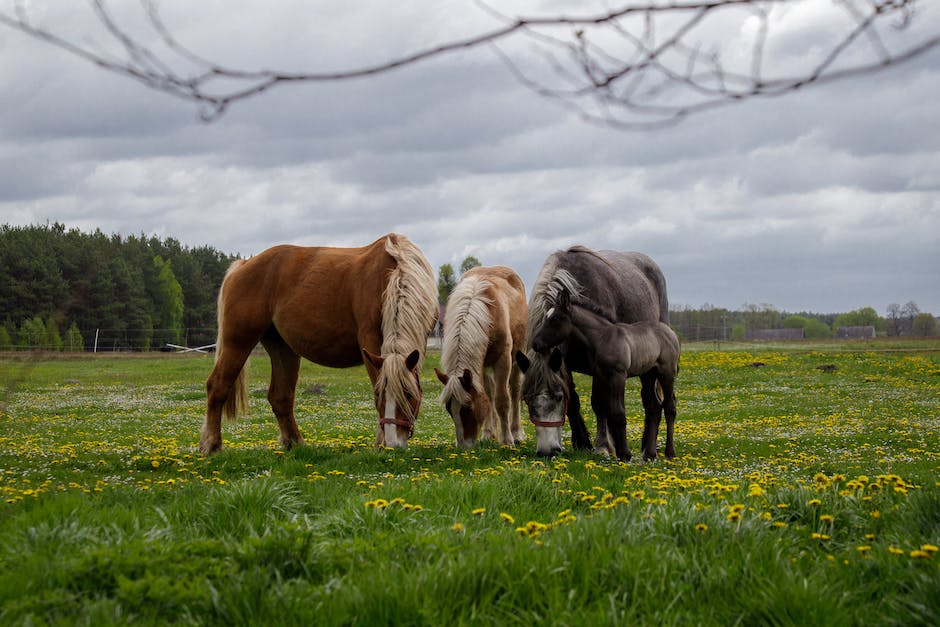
{"x": 825, "y": 200}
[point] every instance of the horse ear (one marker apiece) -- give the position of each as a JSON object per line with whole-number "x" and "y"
{"x": 411, "y": 362}
{"x": 555, "y": 359}
{"x": 523, "y": 361}
{"x": 443, "y": 378}
{"x": 466, "y": 380}
{"x": 371, "y": 359}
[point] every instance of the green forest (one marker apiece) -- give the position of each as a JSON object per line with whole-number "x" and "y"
{"x": 66, "y": 290}
{"x": 63, "y": 289}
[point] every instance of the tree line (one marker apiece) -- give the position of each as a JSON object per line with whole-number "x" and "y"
{"x": 64, "y": 289}
{"x": 69, "y": 290}
{"x": 715, "y": 323}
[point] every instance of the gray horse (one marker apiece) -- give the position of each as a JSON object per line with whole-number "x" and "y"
{"x": 618, "y": 351}
{"x": 619, "y": 286}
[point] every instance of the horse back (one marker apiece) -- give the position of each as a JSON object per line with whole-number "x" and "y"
{"x": 508, "y": 309}
{"x": 621, "y": 286}
{"x": 324, "y": 302}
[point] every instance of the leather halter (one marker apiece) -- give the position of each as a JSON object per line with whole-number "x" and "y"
{"x": 401, "y": 422}
{"x": 552, "y": 423}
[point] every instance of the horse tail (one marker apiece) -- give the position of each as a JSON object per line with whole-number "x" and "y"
{"x": 237, "y": 400}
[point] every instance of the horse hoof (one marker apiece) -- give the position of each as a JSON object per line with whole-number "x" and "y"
{"x": 210, "y": 448}
{"x": 552, "y": 452}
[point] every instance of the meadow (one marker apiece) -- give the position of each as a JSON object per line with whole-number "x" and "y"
{"x": 806, "y": 490}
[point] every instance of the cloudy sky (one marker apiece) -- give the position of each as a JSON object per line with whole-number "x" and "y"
{"x": 825, "y": 200}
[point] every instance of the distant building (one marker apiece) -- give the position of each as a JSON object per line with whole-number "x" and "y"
{"x": 774, "y": 334}
{"x": 856, "y": 333}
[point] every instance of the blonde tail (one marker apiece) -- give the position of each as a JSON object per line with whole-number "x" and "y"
{"x": 237, "y": 401}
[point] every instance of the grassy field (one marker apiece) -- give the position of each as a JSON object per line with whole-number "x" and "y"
{"x": 799, "y": 496}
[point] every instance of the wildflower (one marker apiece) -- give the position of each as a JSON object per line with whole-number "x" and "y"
{"x": 564, "y": 513}
{"x": 826, "y": 518}
{"x": 876, "y": 514}
{"x": 479, "y": 511}
{"x": 815, "y": 502}
{"x": 893, "y": 550}
{"x": 819, "y": 536}
{"x": 734, "y": 516}
{"x": 929, "y": 548}
{"x": 457, "y": 528}
{"x": 701, "y": 527}
{"x": 865, "y": 548}
{"x": 509, "y": 519}
{"x": 920, "y": 554}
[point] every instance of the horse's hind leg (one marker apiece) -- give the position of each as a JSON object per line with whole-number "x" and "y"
{"x": 652, "y": 408}
{"x": 230, "y": 360}
{"x": 669, "y": 407}
{"x": 285, "y": 367}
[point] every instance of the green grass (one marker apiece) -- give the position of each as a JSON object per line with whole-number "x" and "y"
{"x": 799, "y": 496}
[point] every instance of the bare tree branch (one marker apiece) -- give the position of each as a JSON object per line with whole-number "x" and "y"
{"x": 636, "y": 65}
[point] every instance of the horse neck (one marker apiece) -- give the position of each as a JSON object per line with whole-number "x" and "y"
{"x": 586, "y": 323}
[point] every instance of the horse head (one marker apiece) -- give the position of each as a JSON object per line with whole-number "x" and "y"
{"x": 545, "y": 392}
{"x": 397, "y": 391}
{"x": 468, "y": 404}
{"x": 556, "y": 326}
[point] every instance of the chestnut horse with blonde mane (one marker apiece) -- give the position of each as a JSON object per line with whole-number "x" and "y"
{"x": 338, "y": 307}
{"x": 483, "y": 328}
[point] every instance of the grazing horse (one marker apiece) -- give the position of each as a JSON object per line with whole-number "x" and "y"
{"x": 618, "y": 351}
{"x": 338, "y": 307}
{"x": 621, "y": 287}
{"x": 483, "y": 328}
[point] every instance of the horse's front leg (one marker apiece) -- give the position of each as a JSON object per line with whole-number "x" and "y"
{"x": 515, "y": 398}
{"x": 501, "y": 397}
{"x": 285, "y": 368}
{"x": 652, "y": 408}
{"x": 580, "y": 437}
{"x": 669, "y": 407}
{"x": 607, "y": 401}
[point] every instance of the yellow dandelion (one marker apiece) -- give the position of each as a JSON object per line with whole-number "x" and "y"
{"x": 894, "y": 550}
{"x": 929, "y": 548}
{"x": 564, "y": 513}
{"x": 734, "y": 517}
{"x": 701, "y": 527}
{"x": 509, "y": 519}
{"x": 815, "y": 502}
{"x": 826, "y": 518}
{"x": 918, "y": 554}
{"x": 457, "y": 528}
{"x": 479, "y": 511}
{"x": 864, "y": 548}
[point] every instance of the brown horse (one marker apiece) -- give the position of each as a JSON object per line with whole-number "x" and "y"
{"x": 483, "y": 328}
{"x": 338, "y": 307}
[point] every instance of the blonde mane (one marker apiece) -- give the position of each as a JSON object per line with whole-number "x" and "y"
{"x": 467, "y": 327}
{"x": 409, "y": 311}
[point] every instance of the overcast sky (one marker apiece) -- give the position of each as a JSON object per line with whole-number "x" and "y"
{"x": 826, "y": 200}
